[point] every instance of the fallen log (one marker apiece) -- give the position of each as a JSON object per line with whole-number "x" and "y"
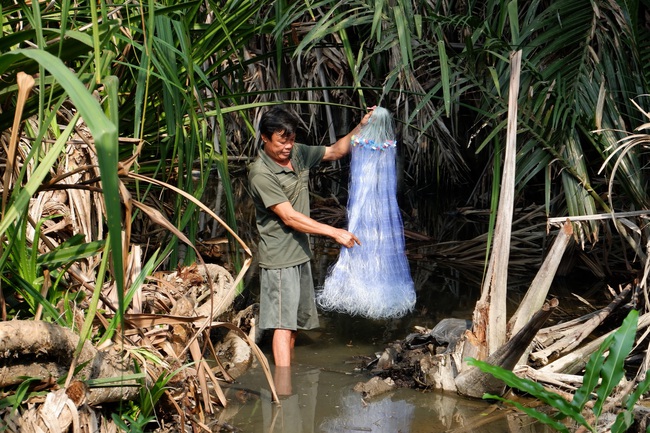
{"x": 45, "y": 350}
{"x": 472, "y": 382}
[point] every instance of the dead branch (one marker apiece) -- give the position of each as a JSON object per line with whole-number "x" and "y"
{"x": 574, "y": 361}
{"x": 538, "y": 291}
{"x": 571, "y": 338}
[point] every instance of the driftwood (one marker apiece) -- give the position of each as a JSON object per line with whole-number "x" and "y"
{"x": 472, "y": 382}
{"x": 570, "y": 382}
{"x": 45, "y": 350}
{"x": 441, "y": 371}
{"x": 489, "y": 340}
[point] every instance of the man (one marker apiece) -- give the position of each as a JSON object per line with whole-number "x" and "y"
{"x": 278, "y": 180}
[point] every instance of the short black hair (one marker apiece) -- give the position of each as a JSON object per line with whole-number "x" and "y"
{"x": 278, "y": 119}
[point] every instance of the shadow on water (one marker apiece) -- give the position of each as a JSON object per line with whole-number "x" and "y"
{"x": 318, "y": 389}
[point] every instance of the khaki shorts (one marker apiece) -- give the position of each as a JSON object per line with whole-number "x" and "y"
{"x": 287, "y": 298}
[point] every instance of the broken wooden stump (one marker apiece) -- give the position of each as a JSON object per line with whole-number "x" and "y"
{"x": 472, "y": 382}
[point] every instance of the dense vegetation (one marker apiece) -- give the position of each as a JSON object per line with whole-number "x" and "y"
{"x": 115, "y": 117}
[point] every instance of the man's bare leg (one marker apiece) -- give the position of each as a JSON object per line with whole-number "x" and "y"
{"x": 284, "y": 341}
{"x": 282, "y": 380}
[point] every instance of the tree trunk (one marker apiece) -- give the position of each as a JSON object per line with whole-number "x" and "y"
{"x": 493, "y": 293}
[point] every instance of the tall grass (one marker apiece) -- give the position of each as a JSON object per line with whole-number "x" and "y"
{"x": 124, "y": 122}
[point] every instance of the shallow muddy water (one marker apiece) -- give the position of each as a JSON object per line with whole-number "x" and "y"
{"x": 319, "y": 394}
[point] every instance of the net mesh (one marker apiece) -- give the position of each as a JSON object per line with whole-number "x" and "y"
{"x": 372, "y": 280}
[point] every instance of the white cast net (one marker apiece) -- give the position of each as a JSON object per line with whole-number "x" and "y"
{"x": 372, "y": 280}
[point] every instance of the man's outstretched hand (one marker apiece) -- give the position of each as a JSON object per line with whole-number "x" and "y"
{"x": 346, "y": 238}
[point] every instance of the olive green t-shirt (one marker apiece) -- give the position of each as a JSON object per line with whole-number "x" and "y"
{"x": 271, "y": 184}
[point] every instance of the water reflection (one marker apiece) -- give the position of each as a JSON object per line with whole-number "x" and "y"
{"x": 298, "y": 397}
{"x": 383, "y": 415}
{"x": 317, "y": 390}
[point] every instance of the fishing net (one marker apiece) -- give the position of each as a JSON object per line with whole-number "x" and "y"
{"x": 372, "y": 280}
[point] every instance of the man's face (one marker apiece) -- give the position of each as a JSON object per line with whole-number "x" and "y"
{"x": 278, "y": 146}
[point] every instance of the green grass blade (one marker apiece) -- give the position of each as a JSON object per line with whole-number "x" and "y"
{"x": 33, "y": 297}
{"x": 623, "y": 421}
{"x": 625, "y": 418}
{"x": 513, "y": 17}
{"x": 404, "y": 36}
{"x": 147, "y": 270}
{"x": 105, "y": 134}
{"x": 22, "y": 196}
{"x": 377, "y": 19}
{"x": 66, "y": 253}
{"x": 444, "y": 76}
{"x": 613, "y": 368}
{"x": 112, "y": 381}
{"x": 91, "y": 312}
{"x": 107, "y": 154}
{"x": 641, "y": 388}
{"x": 591, "y": 377}
{"x": 22, "y": 390}
{"x": 533, "y": 388}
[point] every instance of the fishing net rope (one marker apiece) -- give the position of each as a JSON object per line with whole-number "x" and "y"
{"x": 373, "y": 279}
